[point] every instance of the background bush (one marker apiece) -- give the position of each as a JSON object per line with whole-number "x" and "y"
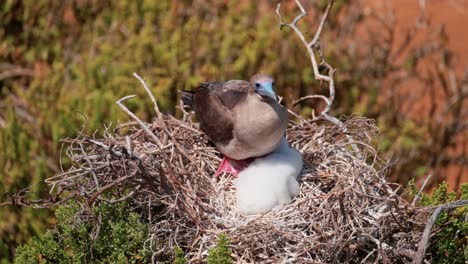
{"x": 448, "y": 244}
{"x": 65, "y": 63}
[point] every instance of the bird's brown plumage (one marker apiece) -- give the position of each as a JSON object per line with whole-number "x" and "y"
{"x": 240, "y": 122}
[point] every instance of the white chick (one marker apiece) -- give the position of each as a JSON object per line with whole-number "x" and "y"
{"x": 269, "y": 181}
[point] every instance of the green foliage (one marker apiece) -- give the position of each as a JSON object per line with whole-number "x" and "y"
{"x": 75, "y": 59}
{"x": 20, "y": 159}
{"x": 110, "y": 234}
{"x": 179, "y": 256}
{"x": 464, "y": 191}
{"x": 449, "y": 244}
{"x": 120, "y": 237}
{"x": 46, "y": 249}
{"x": 220, "y": 254}
{"x": 78, "y": 57}
{"x": 412, "y": 189}
{"x": 440, "y": 195}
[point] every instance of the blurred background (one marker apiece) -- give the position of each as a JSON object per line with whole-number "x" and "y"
{"x": 63, "y": 64}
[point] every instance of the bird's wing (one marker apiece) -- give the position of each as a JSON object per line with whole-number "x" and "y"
{"x": 213, "y": 103}
{"x": 187, "y": 98}
{"x": 215, "y": 118}
{"x": 232, "y": 92}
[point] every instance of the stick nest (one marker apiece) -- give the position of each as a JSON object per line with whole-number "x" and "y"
{"x": 346, "y": 211}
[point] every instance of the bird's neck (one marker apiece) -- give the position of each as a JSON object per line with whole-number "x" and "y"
{"x": 283, "y": 146}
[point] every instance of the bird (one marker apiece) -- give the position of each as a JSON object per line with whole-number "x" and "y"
{"x": 243, "y": 119}
{"x": 269, "y": 181}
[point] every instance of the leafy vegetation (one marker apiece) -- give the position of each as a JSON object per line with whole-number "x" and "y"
{"x": 120, "y": 238}
{"x": 220, "y": 254}
{"x": 179, "y": 256}
{"x": 70, "y": 61}
{"x": 67, "y": 62}
{"x": 449, "y": 244}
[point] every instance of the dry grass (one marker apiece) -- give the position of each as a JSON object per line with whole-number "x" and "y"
{"x": 346, "y": 210}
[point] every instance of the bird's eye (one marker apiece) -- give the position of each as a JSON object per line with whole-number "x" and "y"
{"x": 273, "y": 84}
{"x": 257, "y": 85}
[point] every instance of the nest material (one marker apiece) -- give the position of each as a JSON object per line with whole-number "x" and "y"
{"x": 346, "y": 210}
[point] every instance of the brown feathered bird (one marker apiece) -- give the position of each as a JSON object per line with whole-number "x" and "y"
{"x": 243, "y": 119}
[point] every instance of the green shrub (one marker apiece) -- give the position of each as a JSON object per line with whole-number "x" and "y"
{"x": 449, "y": 243}
{"x": 110, "y": 234}
{"x": 220, "y": 254}
{"x": 79, "y": 57}
{"x": 179, "y": 256}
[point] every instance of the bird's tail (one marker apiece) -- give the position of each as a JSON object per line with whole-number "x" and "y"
{"x": 187, "y": 99}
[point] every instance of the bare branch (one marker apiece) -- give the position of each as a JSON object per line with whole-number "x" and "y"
{"x": 314, "y": 96}
{"x": 311, "y": 47}
{"x": 420, "y": 255}
{"x": 150, "y": 94}
{"x": 15, "y": 72}
{"x": 322, "y": 23}
{"x": 147, "y": 130}
{"x": 298, "y": 32}
{"x": 108, "y": 186}
{"x": 416, "y": 198}
{"x": 160, "y": 117}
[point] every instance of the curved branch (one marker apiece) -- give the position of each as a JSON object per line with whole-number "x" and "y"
{"x": 420, "y": 255}
{"x": 313, "y": 46}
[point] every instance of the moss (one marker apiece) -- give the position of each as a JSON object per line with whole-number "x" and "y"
{"x": 220, "y": 254}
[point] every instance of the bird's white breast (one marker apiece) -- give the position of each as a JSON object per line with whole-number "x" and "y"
{"x": 269, "y": 181}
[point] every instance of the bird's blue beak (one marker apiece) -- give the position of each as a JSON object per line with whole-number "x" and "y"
{"x": 266, "y": 89}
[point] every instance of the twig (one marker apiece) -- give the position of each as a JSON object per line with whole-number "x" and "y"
{"x": 420, "y": 255}
{"x": 7, "y": 203}
{"x": 420, "y": 190}
{"x": 368, "y": 256}
{"x": 108, "y": 186}
{"x": 150, "y": 94}
{"x": 18, "y": 71}
{"x": 313, "y": 96}
{"x": 161, "y": 118}
{"x": 147, "y": 130}
{"x": 322, "y": 23}
{"x": 309, "y": 45}
{"x": 91, "y": 167}
{"x": 313, "y": 46}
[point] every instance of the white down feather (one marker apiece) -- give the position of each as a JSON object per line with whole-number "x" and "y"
{"x": 269, "y": 181}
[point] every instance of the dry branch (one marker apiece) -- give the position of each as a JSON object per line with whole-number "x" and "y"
{"x": 416, "y": 198}
{"x": 312, "y": 47}
{"x": 8, "y": 71}
{"x": 420, "y": 255}
{"x": 119, "y": 102}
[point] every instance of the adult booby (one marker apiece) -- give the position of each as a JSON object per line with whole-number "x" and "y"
{"x": 243, "y": 119}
